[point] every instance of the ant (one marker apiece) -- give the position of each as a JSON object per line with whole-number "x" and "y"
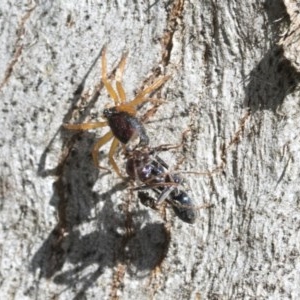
{"x": 145, "y": 166}
{"x": 121, "y": 118}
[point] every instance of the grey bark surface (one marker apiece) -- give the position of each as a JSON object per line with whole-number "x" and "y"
{"x": 71, "y": 231}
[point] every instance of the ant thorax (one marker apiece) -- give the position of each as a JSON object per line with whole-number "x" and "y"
{"x": 138, "y": 165}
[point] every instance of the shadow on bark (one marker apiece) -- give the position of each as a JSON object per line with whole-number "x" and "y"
{"x": 270, "y": 82}
{"x": 274, "y": 77}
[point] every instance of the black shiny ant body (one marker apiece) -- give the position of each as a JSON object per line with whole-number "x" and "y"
{"x": 149, "y": 169}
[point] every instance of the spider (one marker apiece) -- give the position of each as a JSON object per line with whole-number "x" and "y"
{"x": 121, "y": 118}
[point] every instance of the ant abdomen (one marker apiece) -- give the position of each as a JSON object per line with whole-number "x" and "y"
{"x": 183, "y": 207}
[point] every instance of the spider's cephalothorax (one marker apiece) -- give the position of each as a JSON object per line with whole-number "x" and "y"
{"x": 122, "y": 117}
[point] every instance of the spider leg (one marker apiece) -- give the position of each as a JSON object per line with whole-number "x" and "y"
{"x": 85, "y": 126}
{"x": 112, "y": 150}
{"x": 119, "y": 75}
{"x": 108, "y": 136}
{"x": 107, "y": 85}
{"x": 162, "y": 194}
{"x": 140, "y": 98}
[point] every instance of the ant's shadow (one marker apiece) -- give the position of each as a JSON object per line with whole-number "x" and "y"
{"x": 87, "y": 239}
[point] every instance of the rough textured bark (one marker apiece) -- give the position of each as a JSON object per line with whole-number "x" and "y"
{"x": 70, "y": 231}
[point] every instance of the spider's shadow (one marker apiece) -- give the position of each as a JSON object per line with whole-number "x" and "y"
{"x": 76, "y": 205}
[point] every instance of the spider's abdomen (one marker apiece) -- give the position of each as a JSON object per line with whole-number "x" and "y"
{"x": 125, "y": 126}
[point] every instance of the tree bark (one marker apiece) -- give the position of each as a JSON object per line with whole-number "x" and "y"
{"x": 72, "y": 231}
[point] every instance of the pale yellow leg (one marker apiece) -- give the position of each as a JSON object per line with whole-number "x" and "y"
{"x": 128, "y": 108}
{"x": 119, "y": 75}
{"x": 107, "y": 85}
{"x": 112, "y": 150}
{"x": 140, "y": 98}
{"x": 98, "y": 145}
{"x": 85, "y": 126}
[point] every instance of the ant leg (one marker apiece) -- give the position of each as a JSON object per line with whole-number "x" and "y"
{"x": 119, "y": 75}
{"x": 140, "y": 97}
{"x": 166, "y": 147}
{"x": 85, "y": 126}
{"x": 112, "y": 150}
{"x": 234, "y": 141}
{"x": 98, "y": 145}
{"x": 161, "y": 162}
{"x": 162, "y": 194}
{"x": 107, "y": 85}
